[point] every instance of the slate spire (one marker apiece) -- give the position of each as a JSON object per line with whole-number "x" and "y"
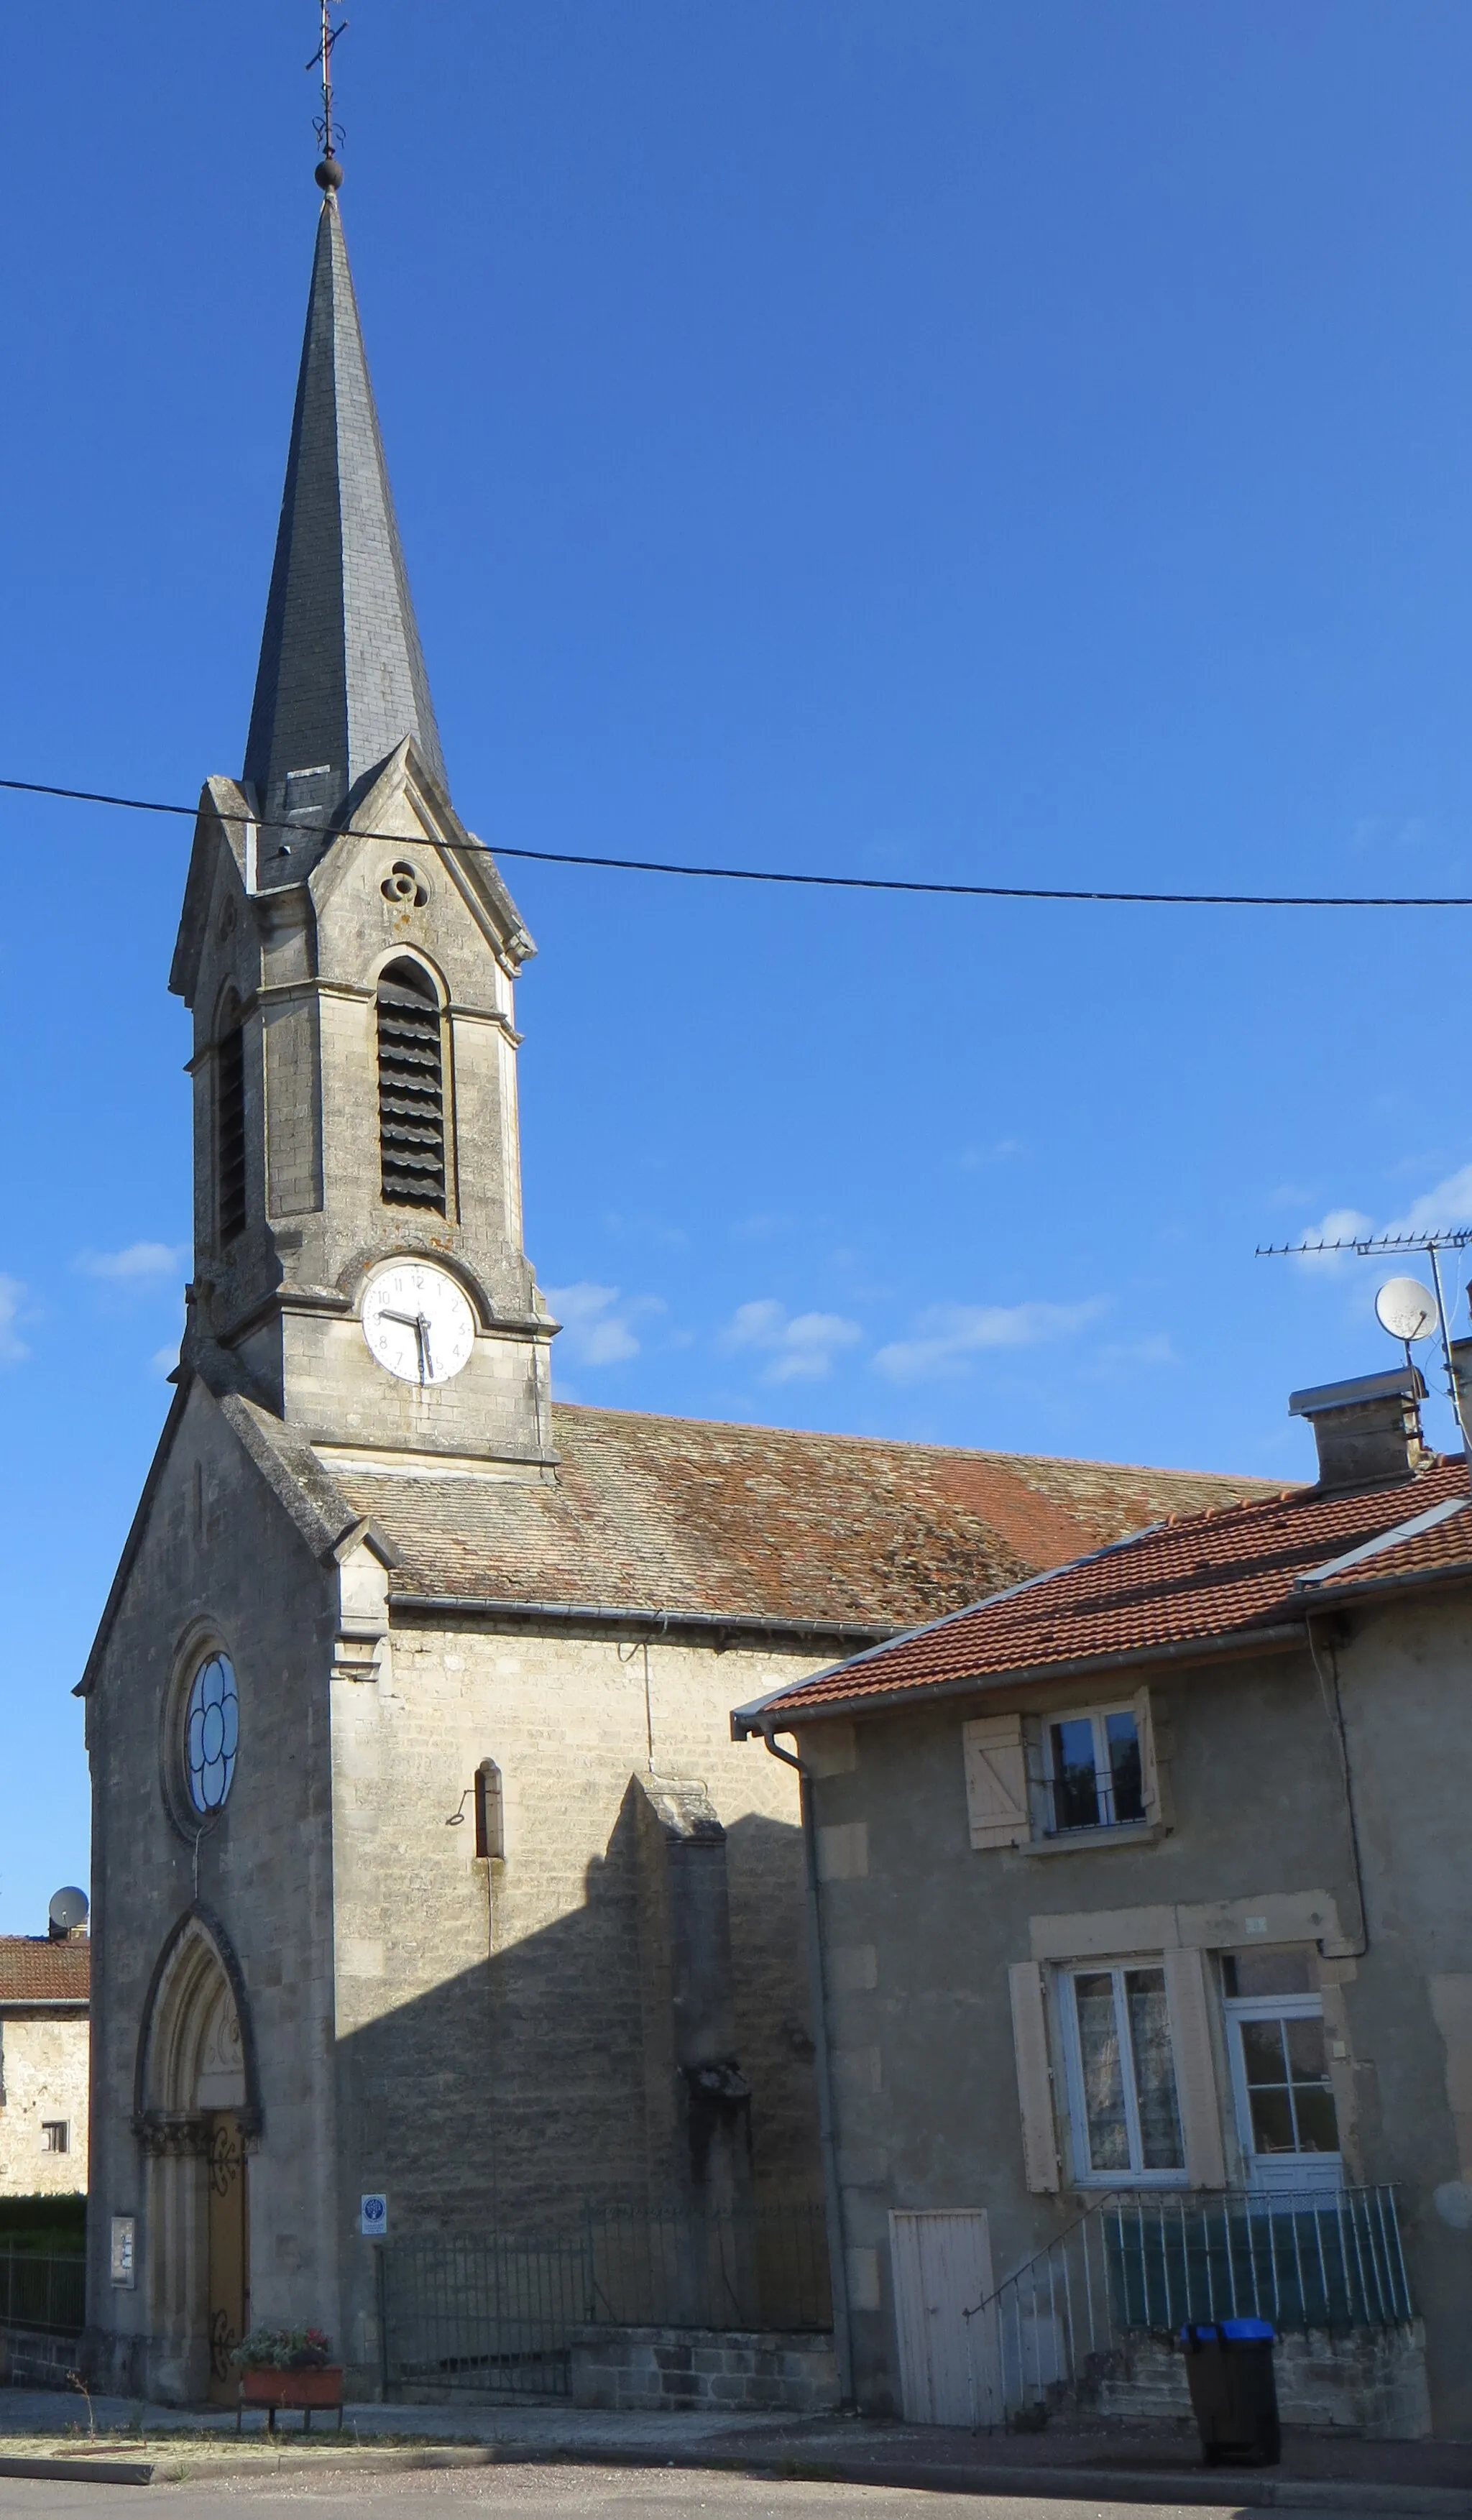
{"x": 341, "y": 679}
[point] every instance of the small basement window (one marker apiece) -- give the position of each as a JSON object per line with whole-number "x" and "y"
{"x": 1092, "y": 1771}
{"x": 56, "y": 2136}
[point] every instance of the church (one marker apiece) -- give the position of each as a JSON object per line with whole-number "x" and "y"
{"x": 430, "y": 1894}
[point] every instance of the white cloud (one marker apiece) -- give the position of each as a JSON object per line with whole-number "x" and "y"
{"x": 136, "y": 1264}
{"x": 948, "y": 1336}
{"x": 597, "y": 1327}
{"x": 798, "y": 1347}
{"x": 1449, "y": 1203}
{"x": 12, "y": 1348}
{"x": 1341, "y": 1225}
{"x": 1156, "y": 1348}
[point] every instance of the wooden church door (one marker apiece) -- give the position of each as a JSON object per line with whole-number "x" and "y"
{"x": 228, "y": 2282}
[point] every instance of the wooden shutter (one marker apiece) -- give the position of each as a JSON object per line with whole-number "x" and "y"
{"x": 996, "y": 1781}
{"x": 1149, "y": 1773}
{"x": 1039, "y": 2143}
{"x": 1188, "y": 2000}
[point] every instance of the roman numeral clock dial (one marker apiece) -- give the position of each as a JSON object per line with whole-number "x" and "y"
{"x": 418, "y": 1324}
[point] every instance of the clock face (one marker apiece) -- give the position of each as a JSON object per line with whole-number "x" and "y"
{"x": 418, "y": 1323}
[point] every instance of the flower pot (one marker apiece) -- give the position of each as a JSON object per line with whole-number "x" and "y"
{"x": 308, "y": 2390}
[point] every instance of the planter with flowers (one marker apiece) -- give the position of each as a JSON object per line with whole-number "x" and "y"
{"x": 287, "y": 2366}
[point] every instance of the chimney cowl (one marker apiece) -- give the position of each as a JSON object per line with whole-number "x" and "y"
{"x": 1367, "y": 1429}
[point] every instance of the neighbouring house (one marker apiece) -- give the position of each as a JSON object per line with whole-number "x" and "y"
{"x": 44, "y": 1984}
{"x": 435, "y": 1909}
{"x": 1146, "y": 1940}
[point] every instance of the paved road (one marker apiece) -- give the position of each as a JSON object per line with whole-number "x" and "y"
{"x": 552, "y": 2493}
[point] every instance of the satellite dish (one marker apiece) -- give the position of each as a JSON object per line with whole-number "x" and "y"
{"x": 68, "y": 1910}
{"x": 1406, "y": 1309}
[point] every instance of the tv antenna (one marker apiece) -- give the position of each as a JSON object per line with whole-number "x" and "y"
{"x": 1401, "y": 1299}
{"x": 329, "y": 131}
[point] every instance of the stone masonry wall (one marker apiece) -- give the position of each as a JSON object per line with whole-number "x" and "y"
{"x": 661, "y": 2371}
{"x": 1366, "y": 2380}
{"x": 43, "y": 2075}
{"x": 490, "y": 2015}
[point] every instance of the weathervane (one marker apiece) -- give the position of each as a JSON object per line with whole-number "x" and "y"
{"x": 1405, "y": 1310}
{"x": 329, "y": 131}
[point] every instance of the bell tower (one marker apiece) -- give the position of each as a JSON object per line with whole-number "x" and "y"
{"x": 349, "y": 953}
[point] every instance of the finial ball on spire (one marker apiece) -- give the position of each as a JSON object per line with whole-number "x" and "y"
{"x": 330, "y": 174}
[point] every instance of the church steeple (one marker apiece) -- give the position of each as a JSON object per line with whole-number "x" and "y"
{"x": 348, "y": 950}
{"x": 341, "y": 680}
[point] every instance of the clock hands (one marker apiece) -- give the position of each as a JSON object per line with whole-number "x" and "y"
{"x": 417, "y": 1322}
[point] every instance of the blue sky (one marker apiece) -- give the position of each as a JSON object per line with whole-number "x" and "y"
{"x": 1011, "y": 444}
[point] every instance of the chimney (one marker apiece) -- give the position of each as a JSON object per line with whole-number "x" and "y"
{"x": 1368, "y": 1432}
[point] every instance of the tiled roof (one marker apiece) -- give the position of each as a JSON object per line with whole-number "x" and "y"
{"x": 34, "y": 1969}
{"x": 758, "y": 1522}
{"x": 1209, "y": 1580}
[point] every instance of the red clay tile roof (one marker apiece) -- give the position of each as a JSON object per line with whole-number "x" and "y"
{"x": 34, "y": 1969}
{"x": 759, "y": 1522}
{"x": 1212, "y": 1579}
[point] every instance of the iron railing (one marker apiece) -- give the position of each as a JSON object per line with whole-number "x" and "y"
{"x": 1319, "y": 2258}
{"x": 497, "y": 2313}
{"x": 46, "y": 2296}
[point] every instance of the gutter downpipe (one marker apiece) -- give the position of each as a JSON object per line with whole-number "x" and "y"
{"x": 832, "y": 2199}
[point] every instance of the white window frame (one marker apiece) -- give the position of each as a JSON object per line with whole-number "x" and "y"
{"x": 1104, "y": 1775}
{"x": 1270, "y": 2172}
{"x": 60, "y": 2125}
{"x": 1085, "y": 2175}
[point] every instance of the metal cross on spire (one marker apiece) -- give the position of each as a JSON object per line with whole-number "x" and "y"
{"x": 329, "y": 131}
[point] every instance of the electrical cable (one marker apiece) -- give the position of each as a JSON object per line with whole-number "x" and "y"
{"x": 780, "y": 875}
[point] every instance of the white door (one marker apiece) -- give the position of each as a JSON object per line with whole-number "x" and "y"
{"x": 942, "y": 2268}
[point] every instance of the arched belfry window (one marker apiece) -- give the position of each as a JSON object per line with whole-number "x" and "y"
{"x": 411, "y": 1089}
{"x": 230, "y": 1126}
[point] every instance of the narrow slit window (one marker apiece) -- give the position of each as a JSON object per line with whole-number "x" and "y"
{"x": 230, "y": 1132}
{"x": 490, "y": 1821}
{"x": 411, "y": 1090}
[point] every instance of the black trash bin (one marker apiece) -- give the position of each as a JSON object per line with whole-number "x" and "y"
{"x": 1228, "y": 2366}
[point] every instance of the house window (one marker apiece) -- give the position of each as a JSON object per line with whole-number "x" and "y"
{"x": 411, "y": 1090}
{"x": 1092, "y": 1771}
{"x": 1122, "y": 2077}
{"x": 54, "y": 2135}
{"x": 1287, "y": 2117}
{"x": 230, "y": 1133}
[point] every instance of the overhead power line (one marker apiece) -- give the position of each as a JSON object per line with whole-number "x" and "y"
{"x": 823, "y": 882}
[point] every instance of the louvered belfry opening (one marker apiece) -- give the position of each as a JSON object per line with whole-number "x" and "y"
{"x": 230, "y": 1132}
{"x": 411, "y": 1090}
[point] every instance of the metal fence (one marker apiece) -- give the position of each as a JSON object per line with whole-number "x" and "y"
{"x": 1317, "y": 2258}
{"x": 46, "y": 2296}
{"x": 498, "y": 2313}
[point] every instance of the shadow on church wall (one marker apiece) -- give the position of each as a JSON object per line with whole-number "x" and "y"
{"x": 546, "y": 2077}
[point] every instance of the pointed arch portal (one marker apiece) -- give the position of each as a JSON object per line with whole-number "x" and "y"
{"x": 197, "y": 2113}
